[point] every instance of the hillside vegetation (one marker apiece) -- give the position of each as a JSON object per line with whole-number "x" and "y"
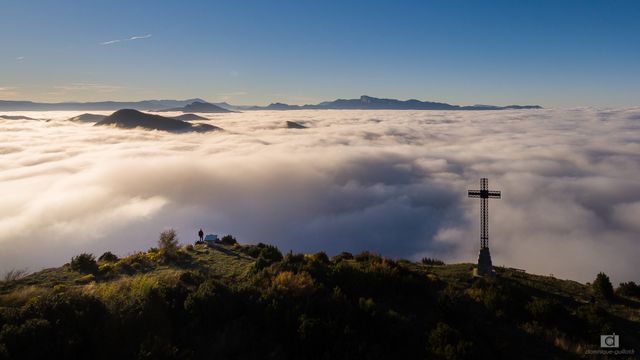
{"x": 232, "y": 301}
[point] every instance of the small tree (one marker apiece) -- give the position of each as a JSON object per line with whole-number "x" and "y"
{"x": 628, "y": 289}
{"x": 228, "y": 240}
{"x": 449, "y": 343}
{"x": 432, "y": 261}
{"x": 168, "y": 241}
{"x": 108, "y": 257}
{"x": 84, "y": 263}
{"x": 602, "y": 286}
{"x": 15, "y": 274}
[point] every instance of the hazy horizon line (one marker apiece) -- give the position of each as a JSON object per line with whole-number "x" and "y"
{"x": 269, "y": 102}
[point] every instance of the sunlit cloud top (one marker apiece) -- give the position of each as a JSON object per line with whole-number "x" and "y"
{"x": 393, "y": 182}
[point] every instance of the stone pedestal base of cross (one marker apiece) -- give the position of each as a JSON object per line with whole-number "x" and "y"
{"x": 485, "y": 267}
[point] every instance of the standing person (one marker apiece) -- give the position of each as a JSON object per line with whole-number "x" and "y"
{"x": 200, "y": 234}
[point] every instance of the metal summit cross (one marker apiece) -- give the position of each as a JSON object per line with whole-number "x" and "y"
{"x": 484, "y": 258}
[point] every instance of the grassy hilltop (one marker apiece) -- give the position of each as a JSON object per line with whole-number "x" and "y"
{"x": 232, "y": 301}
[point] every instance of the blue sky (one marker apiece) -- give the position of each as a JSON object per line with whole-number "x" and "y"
{"x": 553, "y": 53}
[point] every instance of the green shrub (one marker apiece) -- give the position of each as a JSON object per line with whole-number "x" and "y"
{"x": 84, "y": 263}
{"x": 628, "y": 289}
{"x": 168, "y": 241}
{"x": 105, "y": 269}
{"x": 367, "y": 256}
{"x": 191, "y": 278}
{"x": 594, "y": 320}
{"x": 448, "y": 343}
{"x": 228, "y": 240}
{"x": 60, "y": 288}
{"x": 287, "y": 282}
{"x": 602, "y": 286}
{"x": 15, "y": 274}
{"x": 86, "y": 279}
{"x": 108, "y": 257}
{"x": 320, "y": 257}
{"x": 342, "y": 256}
{"x": 544, "y": 310}
{"x": 271, "y": 253}
{"x": 432, "y": 261}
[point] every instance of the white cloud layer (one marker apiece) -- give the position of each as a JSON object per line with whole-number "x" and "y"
{"x": 393, "y": 182}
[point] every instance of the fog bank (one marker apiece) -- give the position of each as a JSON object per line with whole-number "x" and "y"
{"x": 392, "y": 182}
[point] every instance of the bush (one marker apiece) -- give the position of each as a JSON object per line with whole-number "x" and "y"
{"x": 430, "y": 261}
{"x": 628, "y": 289}
{"x": 108, "y": 257}
{"x": 544, "y": 310}
{"x": 594, "y": 320}
{"x": 86, "y": 279}
{"x": 189, "y": 247}
{"x": 342, "y": 256}
{"x": 84, "y": 263}
{"x": 367, "y": 256}
{"x": 293, "y": 284}
{"x": 320, "y": 257}
{"x": 228, "y": 240}
{"x": 15, "y": 274}
{"x": 602, "y": 286}
{"x": 270, "y": 253}
{"x": 105, "y": 269}
{"x": 448, "y": 343}
{"x": 168, "y": 241}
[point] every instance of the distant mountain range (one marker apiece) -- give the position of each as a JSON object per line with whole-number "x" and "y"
{"x": 199, "y": 105}
{"x": 100, "y": 105}
{"x": 371, "y": 103}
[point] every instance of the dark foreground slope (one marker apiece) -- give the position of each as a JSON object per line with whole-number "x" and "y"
{"x": 250, "y": 302}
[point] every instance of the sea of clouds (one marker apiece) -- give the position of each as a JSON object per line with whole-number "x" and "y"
{"x": 393, "y": 182}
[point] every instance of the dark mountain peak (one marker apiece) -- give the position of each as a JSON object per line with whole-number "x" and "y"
{"x": 195, "y": 100}
{"x": 295, "y": 125}
{"x": 129, "y": 119}
{"x": 189, "y": 117}
{"x": 16, "y": 117}
{"x": 282, "y": 106}
{"x": 88, "y": 117}
{"x": 126, "y": 112}
{"x": 201, "y": 107}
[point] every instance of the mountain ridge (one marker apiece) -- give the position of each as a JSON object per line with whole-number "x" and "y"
{"x": 365, "y": 102}
{"x": 130, "y": 118}
{"x": 198, "y": 107}
{"x": 183, "y": 299}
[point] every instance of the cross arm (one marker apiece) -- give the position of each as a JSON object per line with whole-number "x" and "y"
{"x": 494, "y": 194}
{"x": 485, "y": 194}
{"x": 474, "y": 193}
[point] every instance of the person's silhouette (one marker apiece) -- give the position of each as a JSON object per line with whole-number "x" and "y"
{"x": 200, "y": 234}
